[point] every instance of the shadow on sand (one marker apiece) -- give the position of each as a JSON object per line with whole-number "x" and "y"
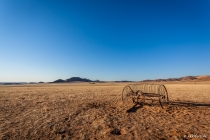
{"x": 183, "y": 103}
{"x": 134, "y": 108}
{"x": 174, "y": 103}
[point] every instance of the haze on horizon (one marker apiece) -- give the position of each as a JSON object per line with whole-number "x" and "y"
{"x": 108, "y": 40}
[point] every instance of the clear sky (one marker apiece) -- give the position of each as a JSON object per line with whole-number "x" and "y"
{"x": 46, "y": 40}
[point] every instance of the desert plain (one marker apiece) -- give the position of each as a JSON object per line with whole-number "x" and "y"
{"x": 95, "y": 111}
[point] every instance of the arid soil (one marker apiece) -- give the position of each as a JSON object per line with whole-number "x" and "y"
{"x": 95, "y": 111}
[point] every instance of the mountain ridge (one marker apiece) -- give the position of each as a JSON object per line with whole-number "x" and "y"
{"x": 182, "y": 79}
{"x": 74, "y": 79}
{"x": 78, "y": 79}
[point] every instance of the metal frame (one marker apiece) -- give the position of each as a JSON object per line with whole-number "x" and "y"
{"x": 139, "y": 93}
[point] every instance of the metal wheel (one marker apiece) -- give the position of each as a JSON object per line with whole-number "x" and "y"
{"x": 140, "y": 98}
{"x": 127, "y": 95}
{"x": 163, "y": 95}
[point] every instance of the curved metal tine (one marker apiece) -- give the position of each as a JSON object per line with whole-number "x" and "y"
{"x": 156, "y": 89}
{"x": 160, "y": 103}
{"x": 150, "y": 88}
{"x": 130, "y": 85}
{"x": 166, "y": 94}
{"x": 136, "y": 87}
{"x": 140, "y": 87}
{"x": 133, "y": 87}
{"x": 144, "y": 88}
{"x": 163, "y": 92}
{"x": 159, "y": 96}
{"x": 162, "y": 89}
{"x": 154, "y": 86}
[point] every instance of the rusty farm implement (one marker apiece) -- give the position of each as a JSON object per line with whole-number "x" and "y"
{"x": 141, "y": 93}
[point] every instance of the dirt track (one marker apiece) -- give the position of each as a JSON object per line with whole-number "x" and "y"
{"x": 85, "y": 111}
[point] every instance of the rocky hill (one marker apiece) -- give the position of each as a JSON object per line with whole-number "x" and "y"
{"x": 74, "y": 79}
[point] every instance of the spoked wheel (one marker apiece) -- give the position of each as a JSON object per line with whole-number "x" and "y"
{"x": 127, "y": 95}
{"x": 163, "y": 95}
{"x": 140, "y": 98}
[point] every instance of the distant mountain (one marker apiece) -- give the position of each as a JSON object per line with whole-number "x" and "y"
{"x": 78, "y": 79}
{"x": 186, "y": 78}
{"x": 59, "y": 81}
{"x": 74, "y": 79}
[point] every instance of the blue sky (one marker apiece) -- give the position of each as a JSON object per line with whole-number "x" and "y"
{"x": 45, "y": 40}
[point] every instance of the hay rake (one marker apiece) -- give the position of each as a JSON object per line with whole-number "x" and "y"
{"x": 140, "y": 93}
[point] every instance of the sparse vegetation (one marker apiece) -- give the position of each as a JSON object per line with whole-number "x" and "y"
{"x": 88, "y": 111}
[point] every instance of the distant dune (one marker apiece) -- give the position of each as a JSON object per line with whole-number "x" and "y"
{"x": 204, "y": 78}
{"x": 186, "y": 78}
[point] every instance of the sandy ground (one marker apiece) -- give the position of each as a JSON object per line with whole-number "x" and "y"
{"x": 95, "y": 111}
